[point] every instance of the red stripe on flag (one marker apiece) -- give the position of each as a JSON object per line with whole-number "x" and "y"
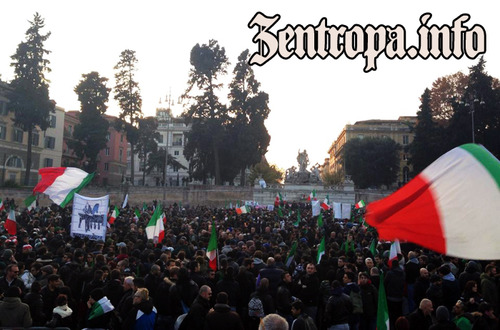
{"x": 49, "y": 175}
{"x": 409, "y": 214}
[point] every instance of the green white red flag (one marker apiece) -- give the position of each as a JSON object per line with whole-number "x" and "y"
{"x": 11, "y": 224}
{"x": 2, "y": 206}
{"x": 447, "y": 207}
{"x": 100, "y": 308}
{"x": 212, "y": 248}
{"x": 325, "y": 205}
{"x": 242, "y": 210}
{"x": 61, "y": 183}
{"x": 360, "y": 204}
{"x": 382, "y": 310}
{"x": 291, "y": 254}
{"x": 321, "y": 250}
{"x": 155, "y": 229}
{"x": 113, "y": 215}
{"x": 312, "y": 196}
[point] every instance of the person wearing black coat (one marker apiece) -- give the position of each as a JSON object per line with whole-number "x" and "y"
{"x": 35, "y": 302}
{"x": 394, "y": 283}
{"x": 421, "y": 319}
{"x": 369, "y": 296}
{"x": 222, "y": 318}
{"x": 195, "y": 318}
{"x": 231, "y": 287}
{"x": 338, "y": 308}
{"x": 96, "y": 320}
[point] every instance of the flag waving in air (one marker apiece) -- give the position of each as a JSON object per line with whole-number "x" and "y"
{"x": 312, "y": 196}
{"x": 326, "y": 203}
{"x": 212, "y": 249}
{"x": 447, "y": 207}
{"x": 113, "y": 216}
{"x": 11, "y": 224}
{"x": 155, "y": 229}
{"x": 61, "y": 183}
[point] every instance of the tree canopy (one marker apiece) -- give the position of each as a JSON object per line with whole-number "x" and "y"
{"x": 372, "y": 162}
{"x": 29, "y": 99}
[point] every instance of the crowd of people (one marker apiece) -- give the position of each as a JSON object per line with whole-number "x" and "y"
{"x": 262, "y": 281}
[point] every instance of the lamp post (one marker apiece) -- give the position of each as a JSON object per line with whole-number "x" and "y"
{"x": 471, "y": 104}
{"x": 167, "y": 123}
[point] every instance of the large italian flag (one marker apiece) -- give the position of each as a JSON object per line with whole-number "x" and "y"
{"x": 155, "y": 229}
{"x": 61, "y": 183}
{"x": 452, "y": 207}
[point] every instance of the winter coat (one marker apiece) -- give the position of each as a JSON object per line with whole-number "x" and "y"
{"x": 61, "y": 317}
{"x": 35, "y": 302}
{"x": 14, "y": 313}
{"x": 142, "y": 317}
{"x": 222, "y": 318}
{"x": 308, "y": 287}
{"x": 338, "y": 308}
{"x": 394, "y": 283}
{"x": 195, "y": 319}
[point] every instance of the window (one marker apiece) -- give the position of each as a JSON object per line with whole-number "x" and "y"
{"x": 3, "y": 108}
{"x": 106, "y": 166}
{"x": 121, "y": 137}
{"x": 177, "y": 140}
{"x": 50, "y": 142}
{"x": 70, "y": 130}
{"x": 35, "y": 139}
{"x": 108, "y": 136}
{"x": 160, "y": 138}
{"x": 106, "y": 151}
{"x": 176, "y": 153}
{"x": 52, "y": 120}
{"x": 3, "y": 132}
{"x": 405, "y": 157}
{"x": 15, "y": 161}
{"x": 48, "y": 162}
{"x": 406, "y": 139}
{"x": 18, "y": 135}
{"x": 121, "y": 154}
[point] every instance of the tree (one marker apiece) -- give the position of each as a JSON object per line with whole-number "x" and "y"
{"x": 147, "y": 141}
{"x": 427, "y": 144}
{"x": 29, "y": 99}
{"x": 208, "y": 115}
{"x": 249, "y": 106}
{"x": 90, "y": 134}
{"x": 332, "y": 178}
{"x": 372, "y": 161}
{"x": 128, "y": 95}
{"x": 270, "y": 173}
{"x": 444, "y": 91}
{"x": 156, "y": 160}
{"x": 482, "y": 97}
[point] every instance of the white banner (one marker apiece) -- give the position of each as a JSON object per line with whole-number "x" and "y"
{"x": 346, "y": 211}
{"x": 337, "y": 210}
{"x": 90, "y": 217}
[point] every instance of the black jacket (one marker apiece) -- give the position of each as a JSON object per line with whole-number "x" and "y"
{"x": 338, "y": 308}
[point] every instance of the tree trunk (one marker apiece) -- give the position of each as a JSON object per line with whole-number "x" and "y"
{"x": 132, "y": 163}
{"x": 144, "y": 171}
{"x": 28, "y": 158}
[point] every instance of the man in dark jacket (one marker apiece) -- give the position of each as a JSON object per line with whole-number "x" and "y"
{"x": 308, "y": 290}
{"x": 338, "y": 308}
{"x": 421, "y": 318}
{"x": 273, "y": 274}
{"x": 222, "y": 318}
{"x": 195, "y": 319}
{"x": 369, "y": 296}
{"x": 14, "y": 313}
{"x": 394, "y": 283}
{"x": 284, "y": 297}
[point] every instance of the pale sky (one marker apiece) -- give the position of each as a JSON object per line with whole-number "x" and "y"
{"x": 311, "y": 100}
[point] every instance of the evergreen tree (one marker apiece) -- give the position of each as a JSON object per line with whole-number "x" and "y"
{"x": 29, "y": 99}
{"x": 147, "y": 141}
{"x": 90, "y": 134}
{"x": 427, "y": 145}
{"x": 128, "y": 95}
{"x": 250, "y": 109}
{"x": 208, "y": 115}
{"x": 372, "y": 161}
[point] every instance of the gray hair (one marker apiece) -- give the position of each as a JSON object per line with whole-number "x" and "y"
{"x": 273, "y": 322}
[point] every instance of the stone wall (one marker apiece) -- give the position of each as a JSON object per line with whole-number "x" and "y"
{"x": 217, "y": 196}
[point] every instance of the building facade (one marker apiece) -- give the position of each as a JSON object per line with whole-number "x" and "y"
{"x": 111, "y": 161}
{"x": 397, "y": 130}
{"x": 172, "y": 141}
{"x": 46, "y": 145}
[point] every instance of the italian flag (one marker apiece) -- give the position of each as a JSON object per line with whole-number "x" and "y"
{"x": 2, "y": 206}
{"x": 447, "y": 207}
{"x": 212, "y": 249}
{"x": 296, "y": 223}
{"x": 30, "y": 202}
{"x": 383, "y": 310}
{"x": 393, "y": 252}
{"x": 100, "y": 307}
{"x": 61, "y": 183}
{"x": 320, "y": 220}
{"x": 155, "y": 230}
{"x": 326, "y": 203}
{"x": 242, "y": 210}
{"x": 278, "y": 199}
{"x": 137, "y": 215}
{"x": 291, "y": 254}
{"x": 312, "y": 196}
{"x": 113, "y": 216}
{"x": 321, "y": 250}
{"x": 360, "y": 204}
{"x": 11, "y": 224}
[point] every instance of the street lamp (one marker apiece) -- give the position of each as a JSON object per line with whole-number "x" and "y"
{"x": 471, "y": 104}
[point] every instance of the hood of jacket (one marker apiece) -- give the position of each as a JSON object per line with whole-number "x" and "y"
{"x": 145, "y": 306}
{"x": 63, "y": 311}
{"x": 11, "y": 302}
{"x": 222, "y": 308}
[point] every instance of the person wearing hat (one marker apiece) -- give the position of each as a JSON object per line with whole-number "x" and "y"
{"x": 13, "y": 312}
{"x": 443, "y": 320}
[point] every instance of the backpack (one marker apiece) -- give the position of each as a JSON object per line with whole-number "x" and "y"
{"x": 357, "y": 302}
{"x": 255, "y": 307}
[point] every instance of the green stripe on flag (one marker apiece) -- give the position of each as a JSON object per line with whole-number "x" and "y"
{"x": 486, "y": 159}
{"x": 29, "y": 200}
{"x": 85, "y": 182}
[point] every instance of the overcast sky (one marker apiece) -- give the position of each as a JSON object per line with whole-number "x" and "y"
{"x": 311, "y": 100}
